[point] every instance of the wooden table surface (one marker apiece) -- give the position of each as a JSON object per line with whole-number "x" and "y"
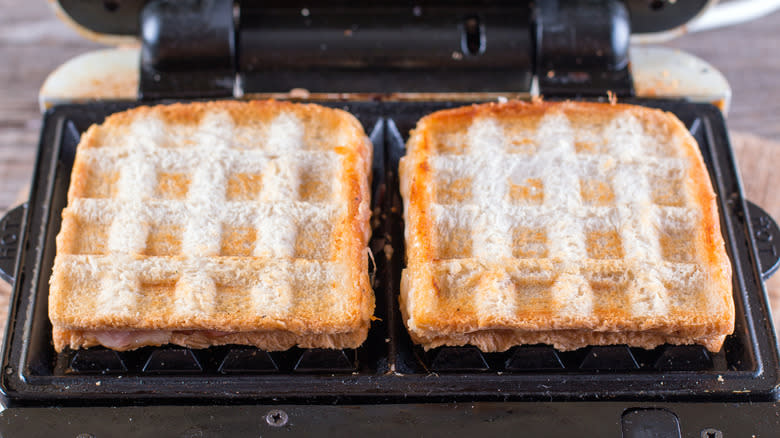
{"x": 33, "y": 42}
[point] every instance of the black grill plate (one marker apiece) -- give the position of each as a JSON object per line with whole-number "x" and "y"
{"x": 388, "y": 367}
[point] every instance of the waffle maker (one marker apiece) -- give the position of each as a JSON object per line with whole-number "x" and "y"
{"x": 388, "y": 64}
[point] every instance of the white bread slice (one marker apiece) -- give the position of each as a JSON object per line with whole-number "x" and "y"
{"x": 206, "y": 223}
{"x": 571, "y": 224}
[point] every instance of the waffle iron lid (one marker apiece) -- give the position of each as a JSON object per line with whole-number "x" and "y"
{"x": 196, "y": 48}
{"x": 117, "y": 21}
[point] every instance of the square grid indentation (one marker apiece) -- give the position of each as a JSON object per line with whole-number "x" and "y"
{"x": 179, "y": 209}
{"x": 550, "y": 195}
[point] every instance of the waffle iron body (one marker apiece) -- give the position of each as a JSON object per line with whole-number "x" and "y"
{"x": 389, "y": 385}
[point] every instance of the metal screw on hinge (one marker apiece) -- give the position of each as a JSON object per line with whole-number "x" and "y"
{"x": 711, "y": 433}
{"x": 276, "y": 418}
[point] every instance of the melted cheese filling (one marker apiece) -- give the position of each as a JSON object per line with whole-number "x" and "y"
{"x": 118, "y": 339}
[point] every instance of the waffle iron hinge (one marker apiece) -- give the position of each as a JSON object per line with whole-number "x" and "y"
{"x": 188, "y": 49}
{"x": 203, "y": 48}
{"x": 582, "y": 48}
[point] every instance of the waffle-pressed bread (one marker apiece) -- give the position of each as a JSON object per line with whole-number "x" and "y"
{"x": 216, "y": 223}
{"x": 569, "y": 224}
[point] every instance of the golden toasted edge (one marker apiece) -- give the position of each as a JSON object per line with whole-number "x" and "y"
{"x": 353, "y": 230}
{"x": 356, "y": 226}
{"x": 710, "y": 240}
{"x": 416, "y": 182}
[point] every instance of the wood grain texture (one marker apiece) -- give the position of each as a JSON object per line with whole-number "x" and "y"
{"x": 749, "y": 56}
{"x": 757, "y": 158}
{"x": 33, "y": 42}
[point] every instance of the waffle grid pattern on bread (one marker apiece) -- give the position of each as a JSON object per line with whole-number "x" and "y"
{"x": 570, "y": 224}
{"x": 210, "y": 223}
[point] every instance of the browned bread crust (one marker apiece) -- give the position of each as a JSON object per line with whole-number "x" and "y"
{"x": 242, "y": 217}
{"x": 569, "y": 223}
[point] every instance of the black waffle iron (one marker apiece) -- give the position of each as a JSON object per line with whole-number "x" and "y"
{"x": 389, "y": 65}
